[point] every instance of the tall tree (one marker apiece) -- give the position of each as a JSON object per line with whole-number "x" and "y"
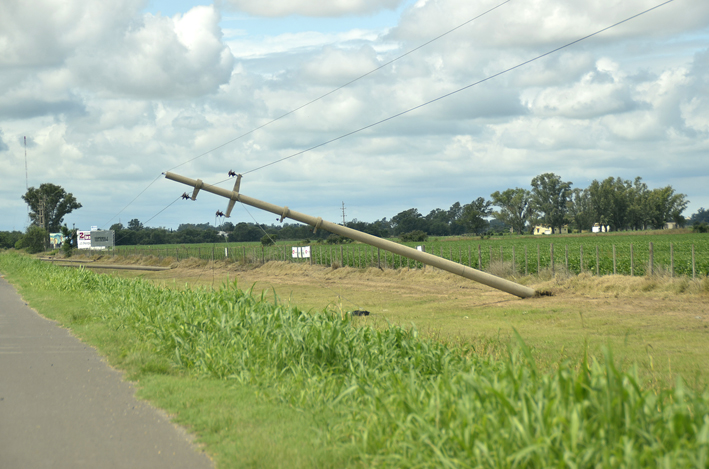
{"x": 514, "y": 205}
{"x": 610, "y": 201}
{"x": 475, "y": 214}
{"x": 549, "y": 197}
{"x": 665, "y": 205}
{"x": 638, "y": 209}
{"x": 48, "y": 205}
{"x": 580, "y": 212}
{"x": 135, "y": 225}
{"x": 407, "y": 221}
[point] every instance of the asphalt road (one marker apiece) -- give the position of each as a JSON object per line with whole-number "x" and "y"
{"x": 62, "y": 406}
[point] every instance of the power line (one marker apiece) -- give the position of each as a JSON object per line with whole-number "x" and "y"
{"x": 134, "y": 199}
{"x": 490, "y": 77}
{"x": 344, "y": 85}
{"x": 314, "y": 100}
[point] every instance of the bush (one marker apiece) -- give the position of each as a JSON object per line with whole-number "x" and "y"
{"x": 269, "y": 239}
{"x": 337, "y": 239}
{"x": 34, "y": 240}
{"x": 413, "y": 236}
{"x": 700, "y": 228}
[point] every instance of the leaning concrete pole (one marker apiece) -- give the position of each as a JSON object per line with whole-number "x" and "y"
{"x": 318, "y": 223}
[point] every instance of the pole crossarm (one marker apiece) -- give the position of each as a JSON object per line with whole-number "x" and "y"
{"x": 405, "y": 251}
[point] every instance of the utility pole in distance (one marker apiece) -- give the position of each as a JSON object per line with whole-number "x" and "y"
{"x": 318, "y": 223}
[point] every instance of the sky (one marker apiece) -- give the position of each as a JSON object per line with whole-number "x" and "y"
{"x": 112, "y": 94}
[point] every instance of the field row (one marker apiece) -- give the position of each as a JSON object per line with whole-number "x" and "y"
{"x": 686, "y": 255}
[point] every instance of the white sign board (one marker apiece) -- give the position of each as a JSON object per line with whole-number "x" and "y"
{"x": 84, "y": 239}
{"x": 301, "y": 252}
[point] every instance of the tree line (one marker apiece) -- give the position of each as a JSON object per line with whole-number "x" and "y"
{"x": 549, "y": 200}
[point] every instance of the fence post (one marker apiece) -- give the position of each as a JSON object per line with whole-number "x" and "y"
{"x": 581, "y": 258}
{"x": 539, "y": 261}
{"x": 694, "y": 270}
{"x": 598, "y": 266}
{"x": 652, "y": 260}
{"x": 490, "y": 251}
{"x": 672, "y": 261}
{"x": 566, "y": 257}
{"x": 379, "y": 258}
{"x": 502, "y": 255}
{"x": 551, "y": 249}
{"x": 614, "y": 264}
{"x": 632, "y": 261}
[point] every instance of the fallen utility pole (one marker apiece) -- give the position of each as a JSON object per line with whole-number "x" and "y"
{"x": 318, "y": 223}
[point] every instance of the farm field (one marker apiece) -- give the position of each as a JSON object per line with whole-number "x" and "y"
{"x": 655, "y": 326}
{"x": 660, "y": 323}
{"x": 671, "y": 252}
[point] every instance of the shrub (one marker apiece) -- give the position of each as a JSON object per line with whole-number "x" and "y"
{"x": 269, "y": 239}
{"x": 413, "y": 236}
{"x": 34, "y": 240}
{"x": 700, "y": 228}
{"x": 337, "y": 239}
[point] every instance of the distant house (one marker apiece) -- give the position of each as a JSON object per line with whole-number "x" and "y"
{"x": 545, "y": 230}
{"x": 670, "y": 225}
{"x": 597, "y": 228}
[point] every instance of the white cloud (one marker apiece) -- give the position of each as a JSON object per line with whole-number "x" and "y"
{"x": 331, "y": 8}
{"x": 128, "y": 95}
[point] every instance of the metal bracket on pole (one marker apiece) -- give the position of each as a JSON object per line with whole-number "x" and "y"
{"x": 396, "y": 248}
{"x": 234, "y": 196}
{"x": 285, "y": 213}
{"x": 318, "y": 224}
{"x": 197, "y": 187}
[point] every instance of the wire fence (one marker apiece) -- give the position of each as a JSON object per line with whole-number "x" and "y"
{"x": 634, "y": 259}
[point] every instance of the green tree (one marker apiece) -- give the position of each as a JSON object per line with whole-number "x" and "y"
{"x": 665, "y": 205}
{"x": 269, "y": 239}
{"x": 48, "y": 205}
{"x": 639, "y": 208}
{"x": 515, "y": 207}
{"x": 474, "y": 216}
{"x": 8, "y": 239}
{"x": 580, "y": 212}
{"x": 135, "y": 225}
{"x": 408, "y": 220}
{"x": 34, "y": 240}
{"x": 610, "y": 201}
{"x": 702, "y": 216}
{"x": 549, "y": 198}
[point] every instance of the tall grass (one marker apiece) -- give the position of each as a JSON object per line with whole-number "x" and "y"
{"x": 401, "y": 400}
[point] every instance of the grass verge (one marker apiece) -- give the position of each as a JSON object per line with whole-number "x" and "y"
{"x": 387, "y": 397}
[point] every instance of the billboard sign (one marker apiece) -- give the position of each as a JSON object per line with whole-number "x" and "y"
{"x": 102, "y": 239}
{"x": 56, "y": 240}
{"x": 83, "y": 239}
{"x": 301, "y": 252}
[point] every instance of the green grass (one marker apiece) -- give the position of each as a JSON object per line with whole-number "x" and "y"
{"x": 573, "y": 253}
{"x": 383, "y": 397}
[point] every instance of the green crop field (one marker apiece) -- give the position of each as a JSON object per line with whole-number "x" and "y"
{"x": 375, "y": 397}
{"x": 519, "y": 255}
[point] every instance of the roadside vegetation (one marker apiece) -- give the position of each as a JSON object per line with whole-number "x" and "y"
{"x": 368, "y": 396}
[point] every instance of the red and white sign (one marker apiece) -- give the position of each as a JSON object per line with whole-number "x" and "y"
{"x": 301, "y": 252}
{"x": 84, "y": 239}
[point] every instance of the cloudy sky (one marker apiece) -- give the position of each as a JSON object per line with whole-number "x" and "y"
{"x": 112, "y": 94}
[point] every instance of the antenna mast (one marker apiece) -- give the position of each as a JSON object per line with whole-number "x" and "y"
{"x": 27, "y": 184}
